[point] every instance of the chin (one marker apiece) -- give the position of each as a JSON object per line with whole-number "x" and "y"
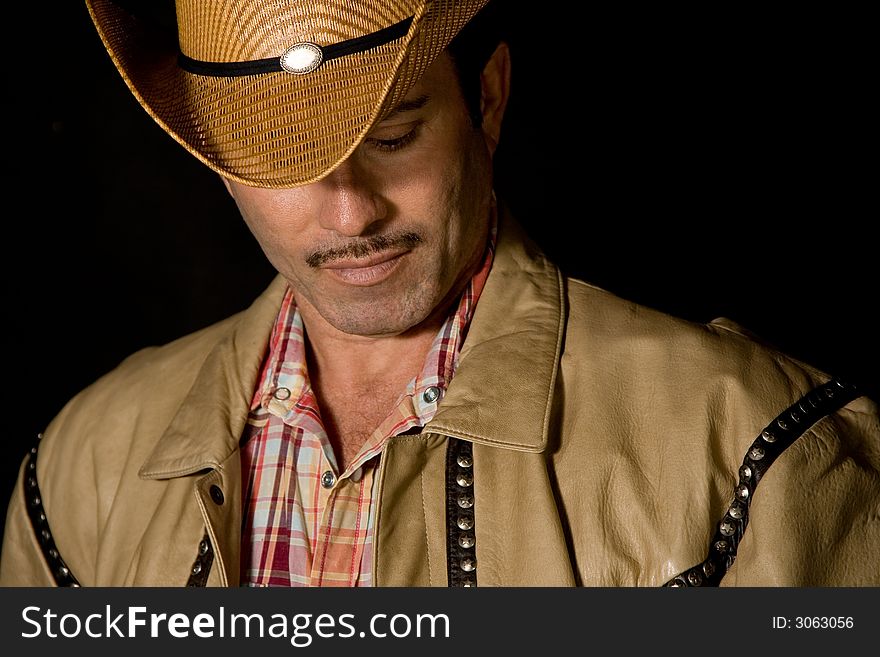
{"x": 375, "y": 320}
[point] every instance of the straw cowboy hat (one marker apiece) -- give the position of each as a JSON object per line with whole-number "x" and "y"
{"x": 277, "y": 93}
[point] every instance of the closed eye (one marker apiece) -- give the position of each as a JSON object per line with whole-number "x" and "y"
{"x": 393, "y": 144}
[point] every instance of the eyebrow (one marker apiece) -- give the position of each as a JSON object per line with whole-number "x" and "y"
{"x": 408, "y": 106}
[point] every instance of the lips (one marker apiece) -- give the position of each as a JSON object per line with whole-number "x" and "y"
{"x": 365, "y": 271}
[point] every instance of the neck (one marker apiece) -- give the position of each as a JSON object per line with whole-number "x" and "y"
{"x": 345, "y": 361}
{"x": 357, "y": 379}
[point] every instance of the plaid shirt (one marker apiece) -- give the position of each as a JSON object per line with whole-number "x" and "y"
{"x": 304, "y": 522}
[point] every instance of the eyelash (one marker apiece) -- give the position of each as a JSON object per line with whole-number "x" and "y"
{"x": 392, "y": 145}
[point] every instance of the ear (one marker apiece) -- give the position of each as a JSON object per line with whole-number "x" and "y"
{"x": 495, "y": 85}
{"x": 227, "y": 185}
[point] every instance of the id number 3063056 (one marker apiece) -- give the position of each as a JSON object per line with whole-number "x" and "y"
{"x": 813, "y": 622}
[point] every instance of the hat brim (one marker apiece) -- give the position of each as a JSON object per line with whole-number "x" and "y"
{"x": 275, "y": 129}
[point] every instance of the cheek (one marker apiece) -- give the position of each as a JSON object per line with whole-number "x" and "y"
{"x": 273, "y": 221}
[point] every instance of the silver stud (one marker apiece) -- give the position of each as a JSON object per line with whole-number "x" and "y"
{"x": 32, "y": 482}
{"x": 39, "y": 436}
{"x": 328, "y": 479}
{"x": 465, "y": 522}
{"x": 756, "y": 453}
{"x": 465, "y": 460}
{"x": 197, "y": 568}
{"x": 64, "y": 571}
{"x": 466, "y": 540}
{"x": 795, "y": 416}
{"x": 465, "y": 501}
{"x": 736, "y": 511}
{"x": 302, "y": 58}
{"x": 464, "y": 479}
{"x": 468, "y": 564}
{"x": 782, "y": 424}
{"x": 32, "y": 466}
{"x": 74, "y": 585}
{"x": 36, "y": 501}
{"x": 42, "y": 517}
{"x": 742, "y": 492}
{"x": 829, "y": 393}
{"x": 721, "y": 546}
{"x": 839, "y": 384}
{"x": 431, "y": 394}
{"x": 768, "y": 436}
{"x": 53, "y": 553}
{"x": 678, "y": 583}
{"x": 203, "y": 548}
{"x": 709, "y": 568}
{"x": 45, "y": 534}
{"x": 745, "y": 473}
{"x": 727, "y": 527}
{"x": 33, "y": 450}
{"x": 694, "y": 578}
{"x": 468, "y": 583}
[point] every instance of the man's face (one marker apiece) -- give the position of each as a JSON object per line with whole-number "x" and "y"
{"x": 390, "y": 237}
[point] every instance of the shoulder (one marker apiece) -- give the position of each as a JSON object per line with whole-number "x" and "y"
{"x": 699, "y": 386}
{"x": 145, "y": 382}
{"x": 676, "y": 349}
{"x": 150, "y": 384}
{"x": 111, "y": 426}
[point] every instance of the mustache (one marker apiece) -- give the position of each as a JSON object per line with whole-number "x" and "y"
{"x": 364, "y": 247}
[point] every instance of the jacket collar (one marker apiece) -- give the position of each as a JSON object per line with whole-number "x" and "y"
{"x": 502, "y": 391}
{"x": 208, "y": 425}
{"x": 500, "y": 395}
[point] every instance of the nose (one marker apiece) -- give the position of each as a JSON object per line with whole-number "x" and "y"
{"x": 351, "y": 203}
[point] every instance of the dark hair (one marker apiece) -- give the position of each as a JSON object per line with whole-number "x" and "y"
{"x": 470, "y": 51}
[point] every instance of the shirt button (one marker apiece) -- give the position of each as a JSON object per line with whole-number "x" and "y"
{"x": 328, "y": 479}
{"x": 282, "y": 393}
{"x": 431, "y": 395}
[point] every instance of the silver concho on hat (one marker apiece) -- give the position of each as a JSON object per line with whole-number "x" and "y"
{"x": 302, "y": 58}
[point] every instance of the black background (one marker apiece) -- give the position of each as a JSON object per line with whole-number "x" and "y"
{"x": 706, "y": 163}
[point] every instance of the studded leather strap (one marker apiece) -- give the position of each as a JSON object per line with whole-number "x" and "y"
{"x": 61, "y": 572}
{"x": 773, "y": 440}
{"x": 37, "y": 514}
{"x": 201, "y": 568}
{"x": 461, "y": 556}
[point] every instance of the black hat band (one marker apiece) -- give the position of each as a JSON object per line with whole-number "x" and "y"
{"x": 315, "y": 55}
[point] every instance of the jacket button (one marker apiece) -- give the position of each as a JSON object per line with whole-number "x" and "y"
{"x": 217, "y": 495}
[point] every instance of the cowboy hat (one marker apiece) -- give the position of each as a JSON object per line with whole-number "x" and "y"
{"x": 277, "y": 94}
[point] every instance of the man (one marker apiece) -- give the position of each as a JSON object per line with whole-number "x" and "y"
{"x": 420, "y": 398}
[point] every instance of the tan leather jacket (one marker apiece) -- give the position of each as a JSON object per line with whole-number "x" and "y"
{"x": 607, "y": 442}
